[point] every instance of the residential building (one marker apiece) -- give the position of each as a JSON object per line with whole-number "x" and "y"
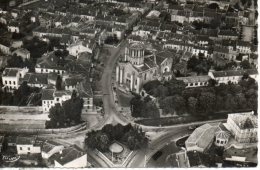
{"x": 71, "y": 157}
{"x": 243, "y": 126}
{"x": 195, "y": 81}
{"x": 35, "y": 80}
{"x": 49, "y": 63}
{"x": 49, "y": 148}
{"x": 11, "y": 77}
{"x": 233, "y": 76}
{"x": 81, "y": 46}
{"x": 27, "y": 145}
{"x": 50, "y": 97}
{"x": 23, "y": 53}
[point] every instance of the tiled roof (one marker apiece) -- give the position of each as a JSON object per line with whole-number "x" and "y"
{"x": 47, "y": 94}
{"x": 11, "y": 72}
{"x": 35, "y": 78}
{"x": 194, "y": 79}
{"x": 202, "y": 136}
{"x": 68, "y": 155}
{"x": 229, "y": 73}
{"x": 25, "y": 140}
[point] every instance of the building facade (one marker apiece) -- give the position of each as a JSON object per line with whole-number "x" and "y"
{"x": 140, "y": 66}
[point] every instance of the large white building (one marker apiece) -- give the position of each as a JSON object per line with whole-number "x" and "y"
{"x": 140, "y": 66}
{"x": 27, "y": 145}
{"x": 82, "y": 46}
{"x": 243, "y": 127}
{"x": 233, "y": 76}
{"x": 11, "y": 76}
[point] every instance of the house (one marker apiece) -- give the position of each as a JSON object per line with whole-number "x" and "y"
{"x": 50, "y": 97}
{"x": 85, "y": 92}
{"x": 71, "y": 157}
{"x": 23, "y": 53}
{"x": 49, "y": 148}
{"x": 27, "y": 145}
{"x": 11, "y": 77}
{"x": 49, "y": 63}
{"x": 243, "y": 47}
{"x": 35, "y": 80}
{"x": 243, "y": 127}
{"x": 13, "y": 26}
{"x": 195, "y": 81}
{"x": 81, "y": 46}
{"x": 11, "y": 141}
{"x": 227, "y": 35}
{"x": 233, "y": 76}
{"x": 5, "y": 46}
{"x": 72, "y": 82}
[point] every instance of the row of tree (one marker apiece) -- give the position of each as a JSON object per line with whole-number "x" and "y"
{"x": 174, "y": 98}
{"x": 133, "y": 137}
{"x": 201, "y": 65}
{"x": 67, "y": 114}
{"x": 19, "y": 97}
{"x": 144, "y": 108}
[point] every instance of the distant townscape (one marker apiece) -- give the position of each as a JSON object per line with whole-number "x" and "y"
{"x": 128, "y": 83}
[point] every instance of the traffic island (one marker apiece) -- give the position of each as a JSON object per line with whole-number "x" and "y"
{"x": 117, "y": 156}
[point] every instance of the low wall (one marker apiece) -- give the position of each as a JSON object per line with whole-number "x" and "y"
{"x": 43, "y": 131}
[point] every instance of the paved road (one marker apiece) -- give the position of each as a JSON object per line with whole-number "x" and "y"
{"x": 111, "y": 114}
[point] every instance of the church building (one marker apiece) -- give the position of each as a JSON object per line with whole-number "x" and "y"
{"x": 139, "y": 65}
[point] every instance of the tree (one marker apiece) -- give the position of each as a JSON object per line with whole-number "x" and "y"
{"x": 245, "y": 64}
{"x": 213, "y": 6}
{"x": 136, "y": 106}
{"x": 57, "y": 117}
{"x": 167, "y": 104}
{"x": 149, "y": 110}
{"x": 179, "y": 104}
{"x": 36, "y": 47}
{"x": 59, "y": 83}
{"x": 207, "y": 102}
{"x": 151, "y": 85}
{"x": 240, "y": 101}
{"x": 175, "y": 86}
{"x": 161, "y": 91}
{"x": 192, "y": 104}
{"x": 15, "y": 61}
{"x": 73, "y": 108}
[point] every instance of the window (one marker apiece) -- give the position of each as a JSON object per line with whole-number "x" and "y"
{"x": 221, "y": 142}
{"x": 44, "y": 102}
{"x": 5, "y": 82}
{"x": 28, "y": 148}
{"x": 21, "y": 148}
{"x": 14, "y": 82}
{"x": 10, "y": 82}
{"x": 58, "y": 99}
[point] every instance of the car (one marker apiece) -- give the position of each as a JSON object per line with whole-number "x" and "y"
{"x": 157, "y": 155}
{"x": 192, "y": 127}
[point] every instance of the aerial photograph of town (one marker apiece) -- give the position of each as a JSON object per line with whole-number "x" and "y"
{"x": 128, "y": 83}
